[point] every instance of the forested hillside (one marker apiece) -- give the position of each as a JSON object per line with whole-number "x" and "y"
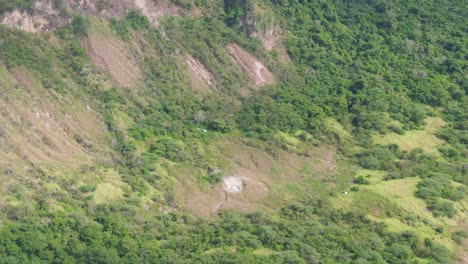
{"x": 235, "y": 131}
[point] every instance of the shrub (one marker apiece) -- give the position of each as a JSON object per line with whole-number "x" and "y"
{"x": 440, "y": 207}
{"x": 88, "y": 188}
{"x": 80, "y": 26}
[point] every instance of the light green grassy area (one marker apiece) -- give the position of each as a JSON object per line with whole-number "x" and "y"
{"x": 289, "y": 139}
{"x": 401, "y": 192}
{"x": 393, "y": 203}
{"x": 425, "y": 231}
{"x": 123, "y": 121}
{"x": 6, "y": 80}
{"x": 99, "y": 27}
{"x": 333, "y": 126}
{"x": 367, "y": 202}
{"x": 108, "y": 182}
{"x": 424, "y": 139}
{"x": 107, "y": 192}
{"x": 264, "y": 252}
{"x": 372, "y": 176}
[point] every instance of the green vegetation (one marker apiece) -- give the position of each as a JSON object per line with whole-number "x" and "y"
{"x": 9, "y": 5}
{"x": 381, "y": 82}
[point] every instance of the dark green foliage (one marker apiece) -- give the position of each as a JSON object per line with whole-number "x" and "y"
{"x": 22, "y": 49}
{"x": 136, "y": 20}
{"x": 460, "y": 236}
{"x": 438, "y": 185}
{"x": 214, "y": 178}
{"x": 121, "y": 27}
{"x": 303, "y": 233}
{"x": 354, "y": 48}
{"x": 80, "y": 26}
{"x": 186, "y": 4}
{"x": 236, "y": 10}
{"x": 166, "y": 147}
{"x": 88, "y": 188}
{"x": 380, "y": 158}
{"x": 8, "y": 5}
{"x": 440, "y": 207}
{"x": 361, "y": 180}
{"x": 438, "y": 191}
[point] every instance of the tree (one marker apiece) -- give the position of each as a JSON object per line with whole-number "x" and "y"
{"x": 199, "y": 117}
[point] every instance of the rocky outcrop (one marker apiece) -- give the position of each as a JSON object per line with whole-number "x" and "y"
{"x": 45, "y": 17}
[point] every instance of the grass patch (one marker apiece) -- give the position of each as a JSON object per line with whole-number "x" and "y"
{"x": 290, "y": 140}
{"x": 425, "y": 139}
{"x": 106, "y": 192}
{"x": 393, "y": 203}
{"x": 366, "y": 202}
{"x": 372, "y": 176}
{"x": 333, "y": 126}
{"x": 401, "y": 192}
{"x": 424, "y": 231}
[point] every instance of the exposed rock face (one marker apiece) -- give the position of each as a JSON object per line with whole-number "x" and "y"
{"x": 45, "y": 17}
{"x": 23, "y": 21}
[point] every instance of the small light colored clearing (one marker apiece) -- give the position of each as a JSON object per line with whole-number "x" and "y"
{"x": 106, "y": 192}
{"x": 233, "y": 184}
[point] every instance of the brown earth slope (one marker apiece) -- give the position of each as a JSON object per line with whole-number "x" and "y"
{"x": 252, "y": 176}
{"x": 255, "y": 69}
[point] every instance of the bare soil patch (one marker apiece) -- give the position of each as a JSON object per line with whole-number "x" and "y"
{"x": 111, "y": 55}
{"x": 250, "y": 176}
{"x": 39, "y": 129}
{"x": 256, "y": 70}
{"x": 201, "y": 79}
